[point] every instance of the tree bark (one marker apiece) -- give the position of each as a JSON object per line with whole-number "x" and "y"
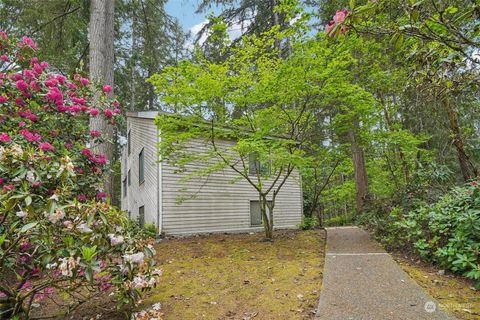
{"x": 469, "y": 171}
{"x": 359, "y": 168}
{"x": 101, "y": 70}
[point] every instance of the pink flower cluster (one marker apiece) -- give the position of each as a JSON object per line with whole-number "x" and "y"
{"x": 338, "y": 20}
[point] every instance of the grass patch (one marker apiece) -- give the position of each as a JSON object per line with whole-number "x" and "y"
{"x": 455, "y": 294}
{"x": 240, "y": 276}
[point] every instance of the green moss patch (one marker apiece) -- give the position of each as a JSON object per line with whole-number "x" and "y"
{"x": 240, "y": 276}
{"x": 455, "y": 294}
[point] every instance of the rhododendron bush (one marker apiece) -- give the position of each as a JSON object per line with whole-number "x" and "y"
{"x": 58, "y": 233}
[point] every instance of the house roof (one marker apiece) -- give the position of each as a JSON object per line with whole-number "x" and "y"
{"x": 143, "y": 114}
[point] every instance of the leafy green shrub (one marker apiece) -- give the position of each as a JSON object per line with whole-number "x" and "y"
{"x": 446, "y": 232}
{"x": 58, "y": 232}
{"x": 150, "y": 230}
{"x": 341, "y": 220}
{"x": 308, "y": 223}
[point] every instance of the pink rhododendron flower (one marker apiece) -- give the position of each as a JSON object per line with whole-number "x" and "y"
{"x": 95, "y": 133}
{"x": 61, "y": 79}
{"x": 19, "y": 102}
{"x": 107, "y": 88}
{"x": 1, "y": 182}
{"x": 94, "y": 112}
{"x": 32, "y": 117}
{"x": 44, "y": 64}
{"x": 21, "y": 85}
{"x": 87, "y": 152}
{"x": 116, "y": 104}
{"x": 28, "y": 74}
{"x": 72, "y": 86}
{"x": 55, "y": 95}
{"x": 80, "y": 101}
{"x": 9, "y": 187}
{"x": 339, "y": 17}
{"x": 37, "y": 69}
{"x": 117, "y": 111}
{"x": 51, "y": 82}
{"x": 81, "y": 198}
{"x": 84, "y": 81}
{"x": 35, "y": 85}
{"x": 3, "y": 35}
{"x": 30, "y": 137}
{"x": 45, "y": 146}
{"x": 100, "y": 159}
{"x": 4, "y": 58}
{"x": 29, "y": 42}
{"x": 108, "y": 113}
{"x": 34, "y": 60}
{"x": 3, "y": 99}
{"x": 4, "y": 137}
{"x": 21, "y": 124}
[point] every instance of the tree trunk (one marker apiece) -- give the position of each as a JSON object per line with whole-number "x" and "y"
{"x": 267, "y": 219}
{"x": 101, "y": 60}
{"x": 468, "y": 169}
{"x": 359, "y": 169}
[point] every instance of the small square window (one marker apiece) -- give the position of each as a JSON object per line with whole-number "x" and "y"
{"x": 256, "y": 167}
{"x": 124, "y": 185}
{"x": 141, "y": 167}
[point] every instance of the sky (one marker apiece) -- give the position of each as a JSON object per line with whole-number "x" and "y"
{"x": 184, "y": 10}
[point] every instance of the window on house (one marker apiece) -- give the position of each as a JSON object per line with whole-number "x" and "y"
{"x": 129, "y": 143}
{"x": 125, "y": 187}
{"x": 255, "y": 166}
{"x": 141, "y": 216}
{"x": 256, "y": 213}
{"x": 141, "y": 167}
{"x": 129, "y": 177}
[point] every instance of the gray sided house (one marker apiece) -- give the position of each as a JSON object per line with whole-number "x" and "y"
{"x": 151, "y": 190}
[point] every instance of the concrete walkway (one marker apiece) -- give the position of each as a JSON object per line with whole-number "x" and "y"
{"x": 362, "y": 282}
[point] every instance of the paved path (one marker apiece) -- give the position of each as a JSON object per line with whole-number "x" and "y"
{"x": 362, "y": 282}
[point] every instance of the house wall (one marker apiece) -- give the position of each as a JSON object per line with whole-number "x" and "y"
{"x": 143, "y": 133}
{"x": 216, "y": 204}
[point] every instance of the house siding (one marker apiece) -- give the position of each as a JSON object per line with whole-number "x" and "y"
{"x": 219, "y": 204}
{"x": 216, "y": 204}
{"x": 143, "y": 135}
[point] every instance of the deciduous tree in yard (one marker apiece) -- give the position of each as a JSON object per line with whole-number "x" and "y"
{"x": 264, "y": 103}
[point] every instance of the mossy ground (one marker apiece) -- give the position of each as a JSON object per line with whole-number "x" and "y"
{"x": 454, "y": 293}
{"x": 240, "y": 276}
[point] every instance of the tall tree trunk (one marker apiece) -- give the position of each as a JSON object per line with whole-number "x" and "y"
{"x": 133, "y": 62}
{"x": 469, "y": 171}
{"x": 359, "y": 169}
{"x": 101, "y": 60}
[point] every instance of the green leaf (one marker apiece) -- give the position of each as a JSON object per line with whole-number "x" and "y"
{"x": 28, "y": 200}
{"x": 28, "y": 226}
{"x": 89, "y": 274}
{"x": 352, "y": 4}
{"x": 2, "y": 238}
{"x": 89, "y": 252}
{"x": 399, "y": 41}
{"x": 451, "y": 10}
